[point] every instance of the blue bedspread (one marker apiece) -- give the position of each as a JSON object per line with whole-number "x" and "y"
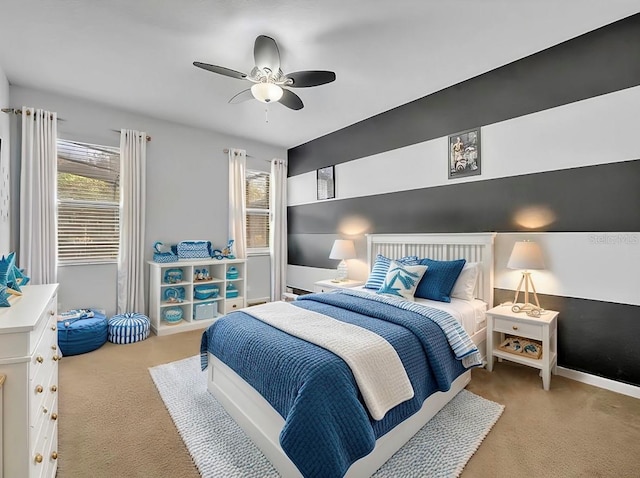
{"x": 327, "y": 426}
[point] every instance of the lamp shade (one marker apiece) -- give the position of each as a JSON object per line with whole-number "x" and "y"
{"x": 343, "y": 249}
{"x": 526, "y": 255}
{"x": 266, "y": 92}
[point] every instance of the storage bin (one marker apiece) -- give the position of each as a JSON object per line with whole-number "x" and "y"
{"x": 204, "y": 311}
{"x": 171, "y": 276}
{"x": 231, "y": 291}
{"x": 205, "y": 291}
{"x": 164, "y": 257}
{"x": 173, "y": 294}
{"x": 194, "y": 249}
{"x": 161, "y": 254}
{"x": 232, "y": 273}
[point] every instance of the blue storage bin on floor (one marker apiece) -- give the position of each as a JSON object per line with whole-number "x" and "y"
{"x": 81, "y": 335}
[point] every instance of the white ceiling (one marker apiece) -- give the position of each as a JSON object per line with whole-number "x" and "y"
{"x": 137, "y": 54}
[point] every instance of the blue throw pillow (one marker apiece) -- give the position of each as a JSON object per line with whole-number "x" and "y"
{"x": 381, "y": 266}
{"x": 439, "y": 279}
{"x": 401, "y": 280}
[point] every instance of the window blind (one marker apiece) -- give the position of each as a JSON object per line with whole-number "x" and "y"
{"x": 257, "y": 203}
{"x": 88, "y": 202}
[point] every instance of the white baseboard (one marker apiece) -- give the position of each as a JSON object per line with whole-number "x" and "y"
{"x": 614, "y": 386}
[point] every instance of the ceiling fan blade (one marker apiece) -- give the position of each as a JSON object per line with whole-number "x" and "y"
{"x": 303, "y": 79}
{"x": 221, "y": 70}
{"x": 291, "y": 100}
{"x": 244, "y": 95}
{"x": 266, "y": 54}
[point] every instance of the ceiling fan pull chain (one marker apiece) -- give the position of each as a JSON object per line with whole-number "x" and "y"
{"x": 266, "y": 114}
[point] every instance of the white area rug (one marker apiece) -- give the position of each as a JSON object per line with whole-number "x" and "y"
{"x": 220, "y": 448}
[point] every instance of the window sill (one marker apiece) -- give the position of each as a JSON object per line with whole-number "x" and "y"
{"x": 258, "y": 252}
{"x": 87, "y": 263}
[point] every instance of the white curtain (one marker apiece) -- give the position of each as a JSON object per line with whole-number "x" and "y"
{"x": 133, "y": 160}
{"x": 278, "y": 228}
{"x": 38, "y": 230}
{"x": 237, "y": 206}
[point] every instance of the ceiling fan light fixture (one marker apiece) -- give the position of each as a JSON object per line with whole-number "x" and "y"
{"x": 266, "y": 92}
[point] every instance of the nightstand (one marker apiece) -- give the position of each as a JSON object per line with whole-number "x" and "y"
{"x": 501, "y": 320}
{"x": 328, "y": 285}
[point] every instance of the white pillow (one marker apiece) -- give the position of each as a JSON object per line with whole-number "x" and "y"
{"x": 465, "y": 285}
{"x": 401, "y": 280}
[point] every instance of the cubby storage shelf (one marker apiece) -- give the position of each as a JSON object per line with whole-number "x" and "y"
{"x": 217, "y": 271}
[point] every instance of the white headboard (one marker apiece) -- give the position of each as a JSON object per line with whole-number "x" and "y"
{"x": 474, "y": 247}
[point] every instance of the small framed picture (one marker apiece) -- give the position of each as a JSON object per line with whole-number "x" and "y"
{"x": 464, "y": 153}
{"x": 325, "y": 183}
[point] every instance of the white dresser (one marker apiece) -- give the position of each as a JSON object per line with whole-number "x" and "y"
{"x": 29, "y": 359}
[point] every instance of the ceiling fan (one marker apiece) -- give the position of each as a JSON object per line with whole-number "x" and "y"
{"x": 270, "y": 84}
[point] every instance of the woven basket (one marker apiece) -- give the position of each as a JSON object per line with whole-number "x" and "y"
{"x": 532, "y": 349}
{"x": 172, "y": 315}
{"x": 164, "y": 257}
{"x": 513, "y": 345}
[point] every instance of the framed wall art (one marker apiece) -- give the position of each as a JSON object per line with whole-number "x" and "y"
{"x": 464, "y": 153}
{"x": 325, "y": 183}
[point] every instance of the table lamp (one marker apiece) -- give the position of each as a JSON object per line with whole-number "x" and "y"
{"x": 342, "y": 249}
{"x": 524, "y": 256}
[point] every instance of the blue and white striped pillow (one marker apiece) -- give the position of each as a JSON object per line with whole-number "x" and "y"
{"x": 381, "y": 267}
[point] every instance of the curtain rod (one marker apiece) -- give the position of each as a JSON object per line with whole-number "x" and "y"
{"x": 118, "y": 131}
{"x": 226, "y": 151}
{"x": 19, "y": 112}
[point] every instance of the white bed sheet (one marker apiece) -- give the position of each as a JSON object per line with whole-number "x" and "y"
{"x": 469, "y": 313}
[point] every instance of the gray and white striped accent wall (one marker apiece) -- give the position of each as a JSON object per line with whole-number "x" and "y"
{"x": 560, "y": 154}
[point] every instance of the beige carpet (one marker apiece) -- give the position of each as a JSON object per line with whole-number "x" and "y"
{"x": 113, "y": 423}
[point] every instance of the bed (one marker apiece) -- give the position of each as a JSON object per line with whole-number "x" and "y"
{"x": 262, "y": 419}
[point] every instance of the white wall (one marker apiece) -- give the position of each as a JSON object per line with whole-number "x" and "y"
{"x": 187, "y": 183}
{"x": 582, "y": 133}
{"x": 5, "y": 223}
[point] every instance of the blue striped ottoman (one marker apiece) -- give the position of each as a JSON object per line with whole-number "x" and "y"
{"x": 128, "y": 328}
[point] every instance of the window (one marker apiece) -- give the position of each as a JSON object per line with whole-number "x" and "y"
{"x": 257, "y": 201}
{"x": 88, "y": 202}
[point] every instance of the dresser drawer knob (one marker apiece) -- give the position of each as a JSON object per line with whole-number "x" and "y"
{"x": 38, "y": 458}
{"x": 39, "y": 359}
{"x": 45, "y": 411}
{"x": 39, "y": 389}
{"x": 515, "y": 327}
{"x": 56, "y": 358}
{"x": 54, "y": 416}
{"x": 51, "y": 312}
{"x": 53, "y": 327}
{"x": 54, "y": 455}
{"x": 53, "y": 347}
{"x": 54, "y": 388}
